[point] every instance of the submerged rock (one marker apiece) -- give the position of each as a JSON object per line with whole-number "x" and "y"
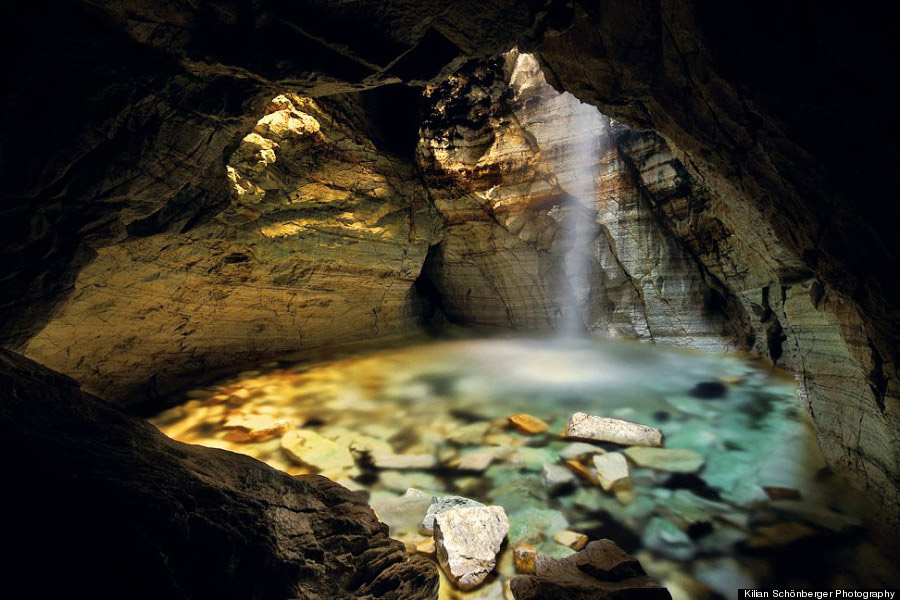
{"x": 709, "y": 390}
{"x": 664, "y": 537}
{"x": 467, "y": 541}
{"x": 612, "y": 470}
{"x": 524, "y": 556}
{"x": 527, "y": 424}
{"x": 571, "y": 539}
{"x": 605, "y": 429}
{"x": 442, "y": 504}
{"x": 557, "y": 477}
{"x": 602, "y": 570}
{"x": 576, "y": 450}
{"x": 404, "y": 461}
{"x": 310, "y": 448}
{"x": 672, "y": 460}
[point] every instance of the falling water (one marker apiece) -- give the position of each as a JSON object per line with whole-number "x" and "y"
{"x": 580, "y": 220}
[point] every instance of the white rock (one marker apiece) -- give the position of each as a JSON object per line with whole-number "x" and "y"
{"x": 443, "y": 504}
{"x": 612, "y": 470}
{"x": 604, "y": 429}
{"x": 467, "y": 542}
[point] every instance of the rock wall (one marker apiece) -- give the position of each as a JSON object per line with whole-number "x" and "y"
{"x": 321, "y": 242}
{"x": 504, "y": 154}
{"x": 130, "y": 511}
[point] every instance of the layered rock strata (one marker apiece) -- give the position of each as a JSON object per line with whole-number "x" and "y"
{"x": 130, "y": 511}
{"x": 321, "y": 241}
{"x": 507, "y": 160}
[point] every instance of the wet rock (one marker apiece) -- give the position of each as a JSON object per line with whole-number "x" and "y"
{"x": 467, "y": 541}
{"x": 469, "y": 435}
{"x": 663, "y": 536}
{"x": 778, "y": 534}
{"x": 672, "y": 460}
{"x": 557, "y": 477}
{"x": 601, "y": 571}
{"x": 534, "y": 526}
{"x": 309, "y": 448}
{"x": 532, "y": 459}
{"x": 441, "y": 504}
{"x": 474, "y": 461}
{"x": 402, "y": 514}
{"x": 524, "y": 556}
{"x": 584, "y": 473}
{"x": 400, "y": 481}
{"x": 571, "y": 539}
{"x": 404, "y": 461}
{"x": 576, "y": 450}
{"x": 527, "y": 424}
{"x": 612, "y": 470}
{"x": 709, "y": 390}
{"x": 604, "y": 429}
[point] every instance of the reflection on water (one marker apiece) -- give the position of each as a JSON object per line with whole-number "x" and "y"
{"x": 761, "y": 511}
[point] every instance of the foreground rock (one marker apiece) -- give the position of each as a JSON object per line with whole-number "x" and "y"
{"x": 439, "y": 505}
{"x": 603, "y": 429}
{"x": 602, "y": 570}
{"x": 467, "y": 542}
{"x": 172, "y": 520}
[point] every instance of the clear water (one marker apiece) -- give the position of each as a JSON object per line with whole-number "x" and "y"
{"x": 703, "y": 534}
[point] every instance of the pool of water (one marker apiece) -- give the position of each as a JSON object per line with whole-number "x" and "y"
{"x": 761, "y": 511}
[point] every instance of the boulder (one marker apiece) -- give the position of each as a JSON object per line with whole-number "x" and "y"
{"x": 604, "y": 429}
{"x": 442, "y": 504}
{"x": 467, "y": 541}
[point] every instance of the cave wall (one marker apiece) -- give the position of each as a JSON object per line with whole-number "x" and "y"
{"x": 323, "y": 236}
{"x": 502, "y": 153}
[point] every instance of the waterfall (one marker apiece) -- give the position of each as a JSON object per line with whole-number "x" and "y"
{"x": 579, "y": 220}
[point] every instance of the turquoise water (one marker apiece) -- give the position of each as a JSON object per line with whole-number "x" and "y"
{"x": 761, "y": 511}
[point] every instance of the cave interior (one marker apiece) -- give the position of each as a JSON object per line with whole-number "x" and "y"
{"x": 269, "y": 265}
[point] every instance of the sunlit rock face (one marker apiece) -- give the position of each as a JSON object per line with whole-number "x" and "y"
{"x": 502, "y": 151}
{"x": 321, "y": 243}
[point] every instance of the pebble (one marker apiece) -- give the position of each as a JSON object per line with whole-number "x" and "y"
{"x": 527, "y": 424}
{"x": 612, "y": 470}
{"x": 778, "y": 534}
{"x": 583, "y": 472}
{"x": 523, "y": 558}
{"x": 671, "y": 460}
{"x": 571, "y": 539}
{"x": 604, "y": 429}
{"x": 467, "y": 541}
{"x": 469, "y": 435}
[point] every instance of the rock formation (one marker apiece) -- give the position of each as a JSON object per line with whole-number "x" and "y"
{"x": 127, "y": 510}
{"x": 502, "y": 151}
{"x": 321, "y": 242}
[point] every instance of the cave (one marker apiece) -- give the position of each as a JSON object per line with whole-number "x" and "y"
{"x": 301, "y": 298}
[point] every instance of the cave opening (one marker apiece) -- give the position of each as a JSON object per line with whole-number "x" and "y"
{"x": 450, "y": 299}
